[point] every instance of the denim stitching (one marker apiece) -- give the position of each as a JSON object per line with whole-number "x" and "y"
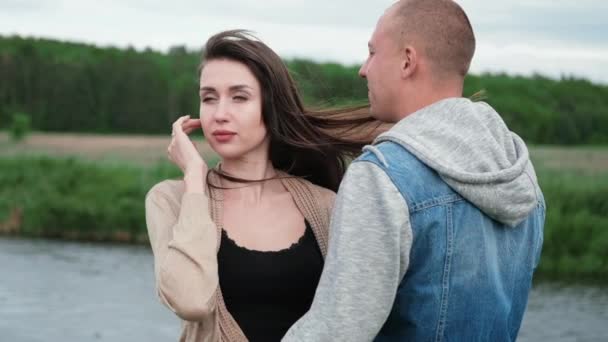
{"x": 436, "y": 201}
{"x": 446, "y": 276}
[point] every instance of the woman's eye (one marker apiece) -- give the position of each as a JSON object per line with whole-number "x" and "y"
{"x": 208, "y": 99}
{"x": 240, "y": 98}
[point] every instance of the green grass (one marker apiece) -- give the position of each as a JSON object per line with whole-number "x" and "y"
{"x": 576, "y": 230}
{"x": 68, "y": 198}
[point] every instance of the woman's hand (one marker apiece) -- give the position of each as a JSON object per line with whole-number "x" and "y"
{"x": 183, "y": 153}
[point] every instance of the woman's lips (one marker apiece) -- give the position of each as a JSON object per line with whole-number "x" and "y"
{"x": 223, "y": 136}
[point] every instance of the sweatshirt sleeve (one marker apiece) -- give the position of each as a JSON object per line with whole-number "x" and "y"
{"x": 184, "y": 241}
{"x": 369, "y": 246}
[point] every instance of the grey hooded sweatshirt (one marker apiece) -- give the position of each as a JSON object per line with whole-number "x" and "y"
{"x": 472, "y": 150}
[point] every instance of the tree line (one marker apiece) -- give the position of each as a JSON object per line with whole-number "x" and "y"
{"x": 72, "y": 87}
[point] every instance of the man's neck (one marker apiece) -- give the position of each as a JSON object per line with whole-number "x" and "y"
{"x": 426, "y": 98}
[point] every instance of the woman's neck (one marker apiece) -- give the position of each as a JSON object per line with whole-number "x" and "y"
{"x": 248, "y": 169}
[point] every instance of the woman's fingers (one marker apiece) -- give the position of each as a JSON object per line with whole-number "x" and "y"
{"x": 190, "y": 125}
{"x": 191, "y": 122}
{"x": 177, "y": 125}
{"x": 179, "y": 151}
{"x": 186, "y": 125}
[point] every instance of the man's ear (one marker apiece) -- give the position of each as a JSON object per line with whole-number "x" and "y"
{"x": 409, "y": 61}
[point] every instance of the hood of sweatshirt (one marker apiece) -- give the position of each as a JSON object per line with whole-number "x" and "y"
{"x": 468, "y": 144}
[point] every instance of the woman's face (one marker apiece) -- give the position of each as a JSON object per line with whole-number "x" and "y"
{"x": 231, "y": 110}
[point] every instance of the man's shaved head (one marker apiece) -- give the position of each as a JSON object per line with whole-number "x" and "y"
{"x": 440, "y": 29}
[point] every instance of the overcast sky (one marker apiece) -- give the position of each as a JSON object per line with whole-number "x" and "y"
{"x": 552, "y": 38}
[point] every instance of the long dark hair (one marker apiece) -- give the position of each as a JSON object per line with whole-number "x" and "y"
{"x": 315, "y": 145}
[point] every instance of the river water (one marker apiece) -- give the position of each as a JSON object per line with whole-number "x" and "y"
{"x": 75, "y": 292}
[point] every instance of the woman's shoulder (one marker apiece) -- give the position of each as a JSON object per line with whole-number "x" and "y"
{"x": 319, "y": 194}
{"x": 325, "y": 195}
{"x": 169, "y": 190}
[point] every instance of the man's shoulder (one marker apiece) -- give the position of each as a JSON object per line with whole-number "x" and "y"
{"x": 382, "y": 153}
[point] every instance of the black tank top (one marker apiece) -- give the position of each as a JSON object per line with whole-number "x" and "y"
{"x": 267, "y": 292}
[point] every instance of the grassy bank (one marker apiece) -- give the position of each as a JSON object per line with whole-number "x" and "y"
{"x": 576, "y": 230}
{"x": 72, "y": 198}
{"x": 69, "y": 198}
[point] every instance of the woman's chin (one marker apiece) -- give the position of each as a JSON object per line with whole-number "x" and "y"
{"x": 240, "y": 151}
{"x": 227, "y": 154}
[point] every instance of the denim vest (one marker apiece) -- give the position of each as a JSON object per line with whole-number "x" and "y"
{"x": 469, "y": 276}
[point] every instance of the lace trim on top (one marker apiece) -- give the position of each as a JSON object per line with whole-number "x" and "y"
{"x": 293, "y": 246}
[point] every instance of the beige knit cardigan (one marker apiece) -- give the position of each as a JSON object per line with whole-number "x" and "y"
{"x": 185, "y": 235}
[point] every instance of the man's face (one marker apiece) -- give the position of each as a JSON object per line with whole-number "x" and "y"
{"x": 382, "y": 71}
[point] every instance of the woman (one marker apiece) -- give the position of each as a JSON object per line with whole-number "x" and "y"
{"x": 238, "y": 250}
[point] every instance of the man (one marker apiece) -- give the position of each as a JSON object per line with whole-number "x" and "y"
{"x": 437, "y": 227}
